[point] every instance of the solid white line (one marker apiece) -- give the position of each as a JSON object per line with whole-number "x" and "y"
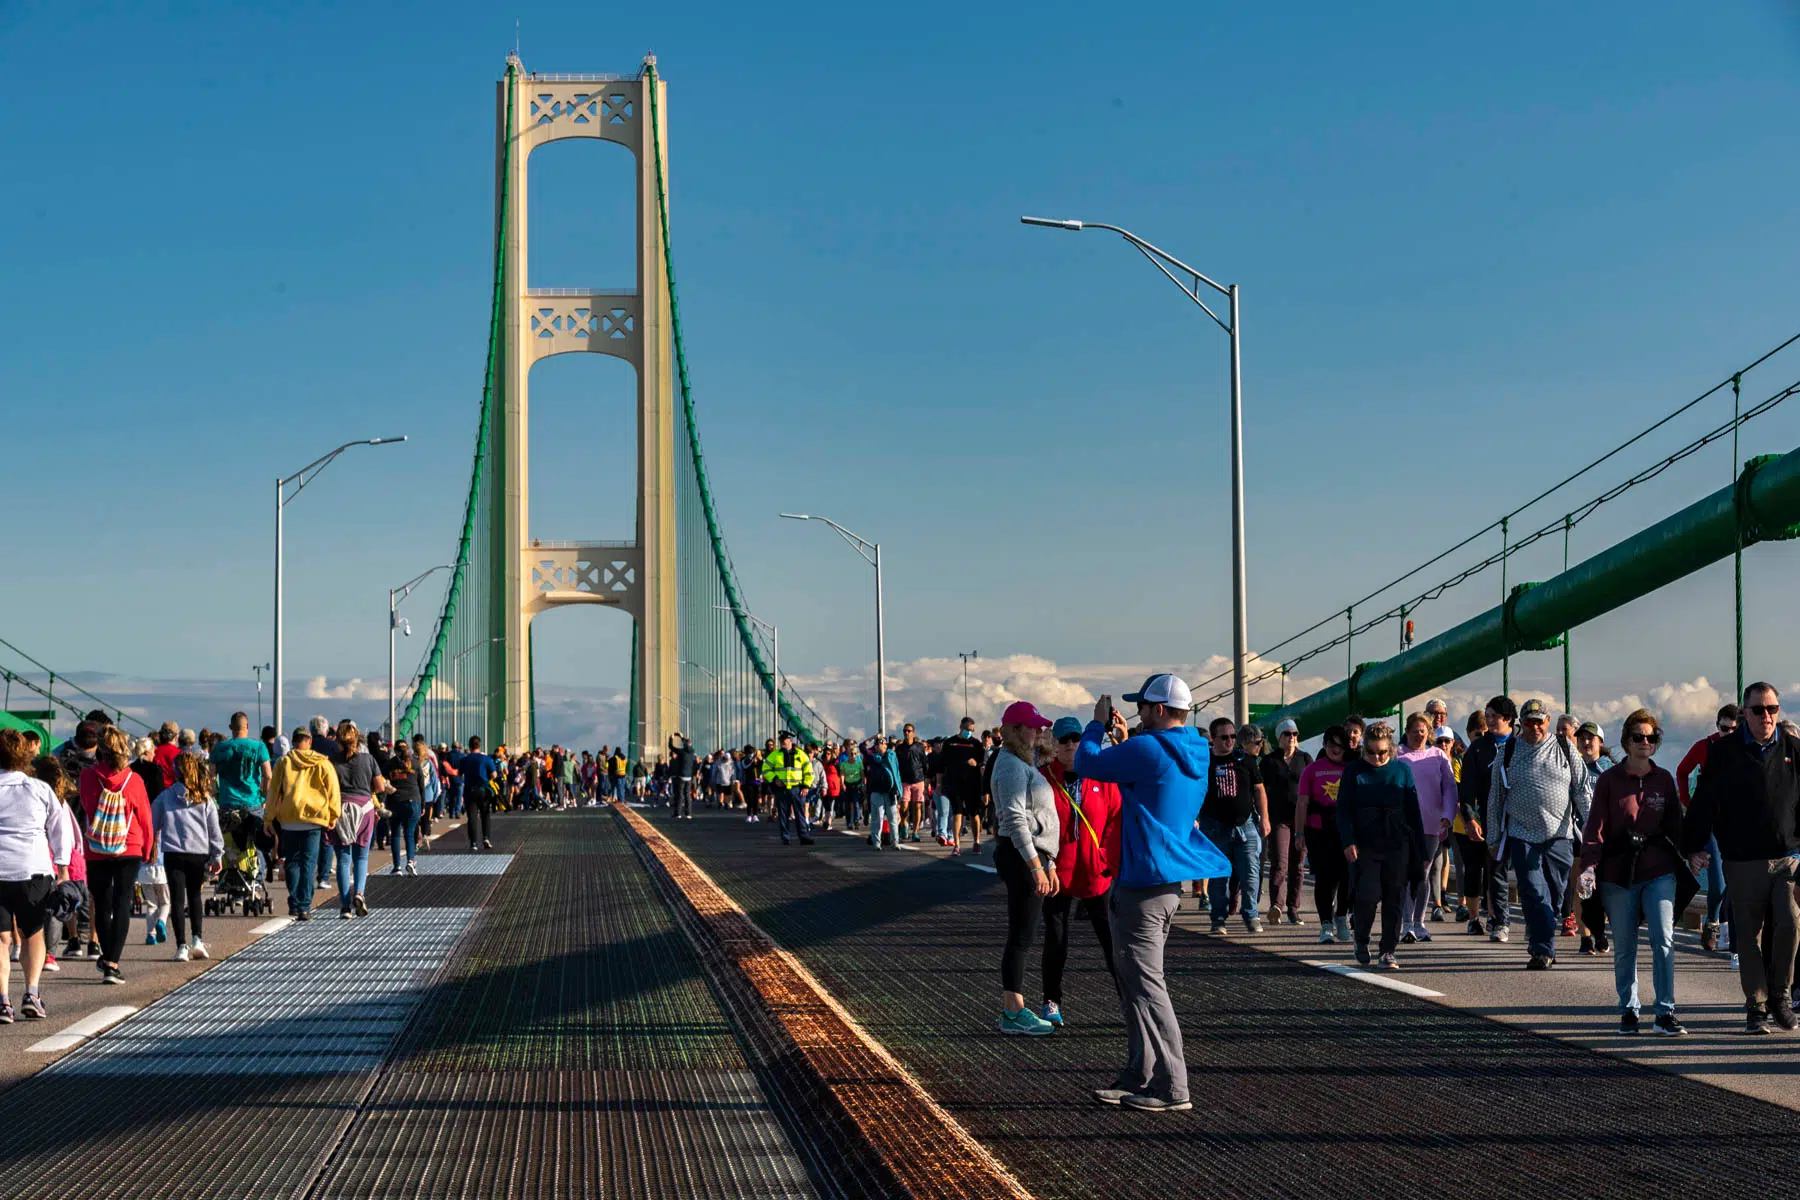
{"x": 981, "y": 867}
{"x": 56, "y": 1044}
{"x": 271, "y": 926}
{"x": 99, "y": 1019}
{"x": 1381, "y": 981}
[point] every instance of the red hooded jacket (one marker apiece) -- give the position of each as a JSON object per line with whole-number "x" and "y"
{"x": 1088, "y": 858}
{"x": 140, "y": 836}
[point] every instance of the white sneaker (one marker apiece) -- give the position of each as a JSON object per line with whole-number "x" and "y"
{"x": 199, "y": 949}
{"x": 181, "y": 954}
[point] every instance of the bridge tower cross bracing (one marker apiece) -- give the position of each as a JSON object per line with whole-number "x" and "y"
{"x": 637, "y": 576}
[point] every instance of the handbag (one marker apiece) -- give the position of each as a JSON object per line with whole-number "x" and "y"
{"x": 153, "y": 873}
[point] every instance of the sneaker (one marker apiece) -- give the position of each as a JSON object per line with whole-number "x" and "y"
{"x": 1253, "y": 925}
{"x": 1219, "y": 929}
{"x": 410, "y": 868}
{"x": 1709, "y": 935}
{"x": 361, "y": 905}
{"x": 1112, "y": 1096}
{"x": 1053, "y": 1012}
{"x": 1155, "y": 1104}
{"x": 162, "y": 933}
{"x": 1782, "y": 1013}
{"x": 1756, "y": 1020}
{"x": 182, "y": 954}
{"x": 1408, "y": 938}
{"x": 1497, "y": 934}
{"x": 747, "y": 821}
{"x": 33, "y": 1008}
{"x": 345, "y": 914}
{"x": 1463, "y": 913}
{"x": 1475, "y": 926}
{"x": 1294, "y": 918}
{"x": 1587, "y": 944}
{"x": 1668, "y": 1026}
{"x": 6, "y": 1013}
{"x": 1362, "y": 953}
{"x": 1569, "y": 925}
{"x": 1628, "y": 1023}
{"x": 1437, "y": 914}
{"x": 1025, "y": 1022}
{"x": 149, "y": 940}
{"x": 1422, "y": 933}
{"x": 956, "y": 852}
{"x": 50, "y": 963}
{"x": 199, "y": 948}
{"x": 1387, "y": 962}
{"x": 486, "y": 845}
{"x": 305, "y": 915}
{"x": 1274, "y": 914}
{"x": 112, "y": 975}
{"x": 72, "y": 948}
{"x": 1327, "y": 935}
{"x": 1539, "y": 962}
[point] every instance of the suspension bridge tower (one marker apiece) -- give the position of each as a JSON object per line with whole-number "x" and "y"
{"x": 533, "y": 575}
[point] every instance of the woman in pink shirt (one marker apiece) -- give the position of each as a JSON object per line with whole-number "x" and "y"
{"x": 111, "y": 876}
{"x": 1436, "y": 782}
{"x": 1315, "y": 811}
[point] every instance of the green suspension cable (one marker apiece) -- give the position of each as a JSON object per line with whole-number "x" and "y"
{"x": 1737, "y": 554}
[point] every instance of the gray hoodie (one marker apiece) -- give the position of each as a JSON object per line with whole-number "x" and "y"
{"x": 183, "y": 828}
{"x": 1025, "y": 809}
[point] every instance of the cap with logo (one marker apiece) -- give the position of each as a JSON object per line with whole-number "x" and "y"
{"x": 1533, "y": 710}
{"x": 1592, "y": 727}
{"x": 1162, "y": 689}
{"x": 1024, "y": 712}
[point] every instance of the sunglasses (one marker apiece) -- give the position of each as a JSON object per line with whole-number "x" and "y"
{"x": 1763, "y": 710}
{"x": 1649, "y": 739}
{"x": 1073, "y": 739}
{"x": 1226, "y": 737}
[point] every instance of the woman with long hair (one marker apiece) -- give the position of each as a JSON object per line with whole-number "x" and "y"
{"x": 1087, "y": 812}
{"x": 360, "y": 779}
{"x": 1315, "y": 815}
{"x": 405, "y": 798}
{"x": 33, "y": 836}
{"x": 1471, "y": 849}
{"x": 1027, "y": 838}
{"x": 78, "y": 925}
{"x": 186, "y": 819}
{"x": 120, "y": 837}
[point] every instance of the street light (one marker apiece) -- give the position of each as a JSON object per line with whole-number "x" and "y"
{"x": 966, "y": 656}
{"x": 680, "y": 707}
{"x": 1240, "y": 630}
{"x": 300, "y": 479}
{"x": 774, "y": 657}
{"x": 870, "y": 552}
{"x": 258, "y": 669}
{"x": 456, "y": 677}
{"x": 718, "y": 706}
{"x": 395, "y": 596}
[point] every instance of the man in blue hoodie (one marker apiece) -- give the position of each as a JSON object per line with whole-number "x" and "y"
{"x": 1162, "y": 775}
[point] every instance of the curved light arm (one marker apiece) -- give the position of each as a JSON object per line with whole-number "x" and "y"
{"x": 405, "y": 589}
{"x": 310, "y": 471}
{"x": 710, "y": 673}
{"x": 861, "y": 545}
{"x": 1157, "y": 256}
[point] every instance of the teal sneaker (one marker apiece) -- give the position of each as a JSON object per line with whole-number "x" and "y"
{"x": 1025, "y": 1022}
{"x": 1052, "y": 1012}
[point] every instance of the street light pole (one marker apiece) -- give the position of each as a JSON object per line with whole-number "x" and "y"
{"x": 395, "y": 596}
{"x": 966, "y": 656}
{"x": 299, "y": 479}
{"x": 258, "y": 669}
{"x": 870, "y": 553}
{"x": 456, "y": 674}
{"x": 1162, "y": 261}
{"x": 774, "y": 659}
{"x": 718, "y": 704}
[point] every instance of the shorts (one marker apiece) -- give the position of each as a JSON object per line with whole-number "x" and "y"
{"x": 22, "y": 902}
{"x": 966, "y": 804}
{"x": 915, "y": 793}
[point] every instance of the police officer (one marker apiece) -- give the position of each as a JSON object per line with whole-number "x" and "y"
{"x": 789, "y": 770}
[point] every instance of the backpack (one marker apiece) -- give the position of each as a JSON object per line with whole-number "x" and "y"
{"x": 349, "y": 824}
{"x": 109, "y": 829}
{"x": 1575, "y": 765}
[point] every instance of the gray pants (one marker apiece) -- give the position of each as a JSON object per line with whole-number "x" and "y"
{"x": 1141, "y": 918}
{"x": 1418, "y": 896}
{"x": 1761, "y": 892}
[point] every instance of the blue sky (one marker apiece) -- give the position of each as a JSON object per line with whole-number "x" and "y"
{"x": 1476, "y": 246}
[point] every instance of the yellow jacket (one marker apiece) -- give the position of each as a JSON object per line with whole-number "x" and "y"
{"x": 303, "y": 791}
{"x": 792, "y": 768}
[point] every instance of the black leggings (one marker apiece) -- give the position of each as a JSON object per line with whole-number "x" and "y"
{"x": 478, "y": 806}
{"x": 111, "y": 881}
{"x": 1474, "y": 866}
{"x": 1056, "y": 938}
{"x": 1331, "y": 874}
{"x": 1023, "y": 905}
{"x": 187, "y": 873}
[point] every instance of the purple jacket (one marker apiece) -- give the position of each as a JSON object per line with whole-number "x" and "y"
{"x": 1436, "y": 782}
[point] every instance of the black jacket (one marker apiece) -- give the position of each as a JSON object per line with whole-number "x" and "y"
{"x": 915, "y": 767}
{"x": 1748, "y": 797}
{"x": 1378, "y": 811}
{"x": 1472, "y": 790}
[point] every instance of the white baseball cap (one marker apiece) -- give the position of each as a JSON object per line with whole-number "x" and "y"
{"x": 1162, "y": 689}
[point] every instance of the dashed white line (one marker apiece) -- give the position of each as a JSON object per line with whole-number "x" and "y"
{"x": 271, "y": 926}
{"x": 95, "y": 1022}
{"x": 1380, "y": 981}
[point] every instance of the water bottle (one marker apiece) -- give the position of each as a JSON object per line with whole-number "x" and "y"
{"x": 1585, "y": 889}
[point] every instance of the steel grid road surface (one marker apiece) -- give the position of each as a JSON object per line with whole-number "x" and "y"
{"x": 1304, "y": 1083}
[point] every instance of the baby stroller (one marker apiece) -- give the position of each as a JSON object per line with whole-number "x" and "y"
{"x": 239, "y": 886}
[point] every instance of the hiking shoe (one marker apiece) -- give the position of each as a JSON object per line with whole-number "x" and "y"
{"x": 1362, "y": 953}
{"x": 1668, "y": 1026}
{"x": 1112, "y": 1096}
{"x": 1155, "y": 1104}
{"x": 182, "y": 954}
{"x": 1025, "y": 1022}
{"x": 199, "y": 948}
{"x": 1387, "y": 962}
{"x": 1219, "y": 929}
{"x": 1327, "y": 935}
{"x": 1782, "y": 1013}
{"x": 1539, "y": 962}
{"x": 1408, "y": 938}
{"x": 33, "y": 1009}
{"x": 1756, "y": 1020}
{"x": 1709, "y": 935}
{"x": 1053, "y": 1012}
{"x": 1628, "y": 1023}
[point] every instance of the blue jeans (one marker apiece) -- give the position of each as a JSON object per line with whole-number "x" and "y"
{"x": 882, "y": 807}
{"x": 790, "y": 809}
{"x": 1715, "y": 882}
{"x": 300, "y": 851}
{"x": 1655, "y": 899}
{"x": 352, "y": 873}
{"x": 404, "y": 825}
{"x": 1541, "y": 873}
{"x": 943, "y": 816}
{"x": 1242, "y": 844}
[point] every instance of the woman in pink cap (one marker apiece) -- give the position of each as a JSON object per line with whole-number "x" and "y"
{"x": 1027, "y": 837}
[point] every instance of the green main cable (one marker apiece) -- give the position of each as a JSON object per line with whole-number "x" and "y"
{"x": 721, "y": 559}
{"x": 428, "y": 674}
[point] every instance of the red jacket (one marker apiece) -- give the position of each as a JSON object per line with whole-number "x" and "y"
{"x": 140, "y": 835}
{"x": 1088, "y": 858}
{"x": 1692, "y": 761}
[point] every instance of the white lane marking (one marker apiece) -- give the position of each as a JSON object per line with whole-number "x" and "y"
{"x": 98, "y": 1021}
{"x": 271, "y": 926}
{"x": 1381, "y": 981}
{"x": 981, "y": 867}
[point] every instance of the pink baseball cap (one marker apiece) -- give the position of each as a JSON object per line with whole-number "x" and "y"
{"x": 1023, "y": 712}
